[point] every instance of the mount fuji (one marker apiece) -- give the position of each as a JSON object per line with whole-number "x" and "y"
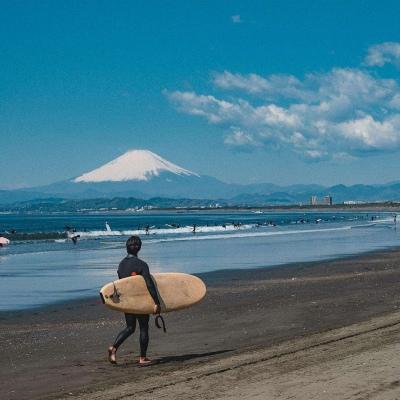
{"x": 138, "y": 173}
{"x": 134, "y": 165}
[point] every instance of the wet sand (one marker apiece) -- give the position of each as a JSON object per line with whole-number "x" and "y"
{"x": 314, "y": 330}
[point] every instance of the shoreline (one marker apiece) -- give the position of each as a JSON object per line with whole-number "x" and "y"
{"x": 210, "y": 277}
{"x": 367, "y": 207}
{"x": 244, "y": 310}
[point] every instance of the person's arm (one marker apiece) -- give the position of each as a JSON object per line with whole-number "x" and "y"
{"x": 150, "y": 284}
{"x": 121, "y": 270}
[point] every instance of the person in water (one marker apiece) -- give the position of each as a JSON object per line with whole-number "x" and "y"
{"x": 131, "y": 265}
{"x": 75, "y": 238}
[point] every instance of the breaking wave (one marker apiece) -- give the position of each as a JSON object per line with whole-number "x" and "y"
{"x": 167, "y": 231}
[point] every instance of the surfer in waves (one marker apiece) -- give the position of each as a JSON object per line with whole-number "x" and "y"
{"x": 71, "y": 234}
{"x": 131, "y": 265}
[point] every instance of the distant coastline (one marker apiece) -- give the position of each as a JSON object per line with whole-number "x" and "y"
{"x": 133, "y": 206}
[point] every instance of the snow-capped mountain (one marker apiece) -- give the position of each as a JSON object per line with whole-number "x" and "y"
{"x": 138, "y": 173}
{"x": 134, "y": 165}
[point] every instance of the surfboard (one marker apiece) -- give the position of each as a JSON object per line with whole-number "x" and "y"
{"x": 176, "y": 291}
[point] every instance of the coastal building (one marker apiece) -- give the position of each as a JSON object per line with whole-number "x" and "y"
{"x": 313, "y": 200}
{"x": 327, "y": 201}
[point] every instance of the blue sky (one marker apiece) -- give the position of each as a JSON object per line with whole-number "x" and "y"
{"x": 262, "y": 91}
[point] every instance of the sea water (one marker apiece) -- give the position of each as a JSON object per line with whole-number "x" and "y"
{"x": 35, "y": 273}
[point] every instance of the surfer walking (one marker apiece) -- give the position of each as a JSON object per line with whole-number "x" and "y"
{"x": 131, "y": 265}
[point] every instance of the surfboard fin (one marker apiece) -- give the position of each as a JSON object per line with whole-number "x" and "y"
{"x": 116, "y": 295}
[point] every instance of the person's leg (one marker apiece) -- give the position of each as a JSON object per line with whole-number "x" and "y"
{"x": 122, "y": 336}
{"x": 144, "y": 337}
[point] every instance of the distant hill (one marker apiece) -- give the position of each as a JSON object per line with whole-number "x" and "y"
{"x": 142, "y": 174}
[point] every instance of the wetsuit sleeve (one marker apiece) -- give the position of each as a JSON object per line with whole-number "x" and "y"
{"x": 121, "y": 271}
{"x": 150, "y": 284}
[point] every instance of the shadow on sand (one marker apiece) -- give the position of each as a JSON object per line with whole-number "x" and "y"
{"x": 187, "y": 357}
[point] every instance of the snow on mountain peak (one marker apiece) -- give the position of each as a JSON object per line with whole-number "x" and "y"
{"x": 136, "y": 165}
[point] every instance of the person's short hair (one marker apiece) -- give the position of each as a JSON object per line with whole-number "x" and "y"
{"x": 133, "y": 244}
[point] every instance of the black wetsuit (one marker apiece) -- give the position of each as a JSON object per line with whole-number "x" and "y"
{"x": 131, "y": 266}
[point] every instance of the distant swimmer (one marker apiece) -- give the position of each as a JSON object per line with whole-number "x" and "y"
{"x": 147, "y": 229}
{"x": 194, "y": 228}
{"x": 75, "y": 239}
{"x": 131, "y": 265}
{"x": 71, "y": 234}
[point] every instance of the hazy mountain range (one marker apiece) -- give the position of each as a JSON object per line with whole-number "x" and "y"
{"x": 144, "y": 175}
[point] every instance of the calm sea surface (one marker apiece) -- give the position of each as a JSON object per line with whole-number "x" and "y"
{"x": 34, "y": 272}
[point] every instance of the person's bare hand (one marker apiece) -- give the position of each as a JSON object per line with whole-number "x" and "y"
{"x": 157, "y": 309}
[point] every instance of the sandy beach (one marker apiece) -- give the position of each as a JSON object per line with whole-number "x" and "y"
{"x": 305, "y": 331}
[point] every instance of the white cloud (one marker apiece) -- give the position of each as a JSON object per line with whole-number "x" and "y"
{"x": 340, "y": 114}
{"x": 236, "y": 19}
{"x": 240, "y": 139}
{"x": 384, "y": 53}
{"x": 215, "y": 110}
{"x": 370, "y": 134}
{"x": 282, "y": 85}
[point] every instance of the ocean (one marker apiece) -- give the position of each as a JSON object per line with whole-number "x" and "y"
{"x": 35, "y": 272}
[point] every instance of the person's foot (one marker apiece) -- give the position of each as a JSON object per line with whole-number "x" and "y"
{"x": 112, "y": 351}
{"x": 143, "y": 361}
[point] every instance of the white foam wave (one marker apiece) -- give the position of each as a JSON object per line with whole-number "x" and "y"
{"x": 166, "y": 231}
{"x": 250, "y": 234}
{"x": 386, "y": 220}
{"x": 219, "y": 231}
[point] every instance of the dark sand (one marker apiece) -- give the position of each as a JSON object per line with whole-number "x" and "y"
{"x": 60, "y": 351}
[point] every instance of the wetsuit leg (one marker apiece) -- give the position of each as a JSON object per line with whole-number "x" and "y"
{"x": 144, "y": 333}
{"x": 125, "y": 333}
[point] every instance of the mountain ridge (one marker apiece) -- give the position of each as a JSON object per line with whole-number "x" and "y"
{"x": 144, "y": 174}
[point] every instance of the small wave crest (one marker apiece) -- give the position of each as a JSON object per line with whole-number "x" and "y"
{"x": 250, "y": 234}
{"x": 167, "y": 231}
